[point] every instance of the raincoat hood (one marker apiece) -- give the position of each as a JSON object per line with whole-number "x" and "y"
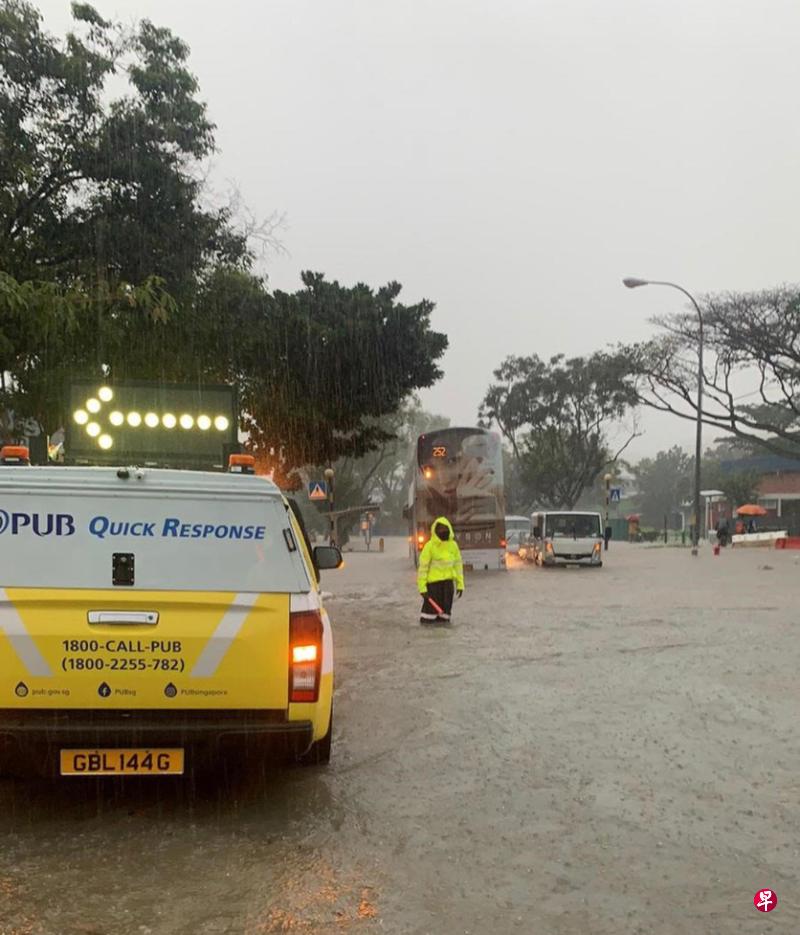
{"x": 445, "y": 522}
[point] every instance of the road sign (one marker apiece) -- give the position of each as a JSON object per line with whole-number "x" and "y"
{"x": 616, "y": 494}
{"x": 317, "y": 490}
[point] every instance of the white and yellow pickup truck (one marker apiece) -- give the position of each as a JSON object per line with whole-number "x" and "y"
{"x": 150, "y": 618}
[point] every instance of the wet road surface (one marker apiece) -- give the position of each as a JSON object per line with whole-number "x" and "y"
{"x": 584, "y": 751}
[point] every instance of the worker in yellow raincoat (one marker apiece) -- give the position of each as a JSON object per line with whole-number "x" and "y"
{"x": 440, "y": 576}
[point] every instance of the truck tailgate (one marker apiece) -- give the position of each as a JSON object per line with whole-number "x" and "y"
{"x": 63, "y": 648}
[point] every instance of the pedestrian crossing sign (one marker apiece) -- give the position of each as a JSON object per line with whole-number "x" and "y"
{"x": 317, "y": 490}
{"x": 616, "y": 494}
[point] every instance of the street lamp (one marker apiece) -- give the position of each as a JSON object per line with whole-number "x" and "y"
{"x": 329, "y": 475}
{"x": 633, "y": 283}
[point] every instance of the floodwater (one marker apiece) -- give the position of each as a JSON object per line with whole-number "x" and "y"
{"x": 583, "y": 751}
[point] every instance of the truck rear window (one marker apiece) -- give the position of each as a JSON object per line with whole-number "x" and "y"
{"x": 175, "y": 543}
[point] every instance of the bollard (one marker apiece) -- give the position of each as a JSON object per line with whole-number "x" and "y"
{"x": 380, "y": 544}
{"x": 716, "y": 550}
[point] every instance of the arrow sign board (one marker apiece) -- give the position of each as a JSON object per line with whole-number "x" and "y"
{"x": 317, "y": 490}
{"x": 616, "y": 494}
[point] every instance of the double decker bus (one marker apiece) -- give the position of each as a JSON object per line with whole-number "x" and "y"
{"x": 458, "y": 473}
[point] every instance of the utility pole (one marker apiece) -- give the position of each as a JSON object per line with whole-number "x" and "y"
{"x": 329, "y": 476}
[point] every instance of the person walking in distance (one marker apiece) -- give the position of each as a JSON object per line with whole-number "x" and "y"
{"x": 440, "y": 576}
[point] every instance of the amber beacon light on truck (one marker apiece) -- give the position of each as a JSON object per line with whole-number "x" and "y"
{"x": 241, "y": 464}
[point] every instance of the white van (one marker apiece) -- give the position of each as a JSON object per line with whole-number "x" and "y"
{"x": 148, "y": 617}
{"x": 567, "y": 538}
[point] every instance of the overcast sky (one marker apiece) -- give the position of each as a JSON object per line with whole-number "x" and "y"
{"x": 511, "y": 160}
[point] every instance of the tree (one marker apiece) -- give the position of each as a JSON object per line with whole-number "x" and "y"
{"x": 95, "y": 187}
{"x": 664, "y": 484}
{"x": 555, "y": 415}
{"x": 51, "y": 334}
{"x": 115, "y": 268}
{"x": 739, "y": 487}
{"x": 104, "y": 237}
{"x": 384, "y": 475}
{"x": 747, "y": 337}
{"x": 519, "y": 500}
{"x": 722, "y": 470}
{"x": 317, "y": 369}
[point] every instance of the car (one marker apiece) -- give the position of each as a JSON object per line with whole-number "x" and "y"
{"x": 518, "y": 530}
{"x": 515, "y": 541}
{"x": 157, "y": 619}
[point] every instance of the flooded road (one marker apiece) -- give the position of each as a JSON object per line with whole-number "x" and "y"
{"x": 584, "y": 751}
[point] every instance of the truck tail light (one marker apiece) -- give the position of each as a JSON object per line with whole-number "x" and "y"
{"x": 305, "y": 655}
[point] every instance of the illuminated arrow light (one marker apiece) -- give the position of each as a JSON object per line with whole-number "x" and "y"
{"x": 134, "y": 419}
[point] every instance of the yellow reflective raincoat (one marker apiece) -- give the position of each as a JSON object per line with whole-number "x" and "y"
{"x": 440, "y": 560}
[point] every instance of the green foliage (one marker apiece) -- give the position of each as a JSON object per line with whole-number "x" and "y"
{"x": 554, "y": 414}
{"x": 113, "y": 266}
{"x": 745, "y": 335}
{"x": 384, "y": 475}
{"x": 667, "y": 481}
{"x": 317, "y": 369}
{"x": 100, "y": 188}
{"x": 664, "y": 484}
{"x": 517, "y": 496}
{"x": 739, "y": 486}
{"x": 51, "y": 334}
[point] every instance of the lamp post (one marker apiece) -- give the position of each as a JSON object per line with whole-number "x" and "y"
{"x": 607, "y": 479}
{"x": 633, "y": 283}
{"x": 329, "y": 475}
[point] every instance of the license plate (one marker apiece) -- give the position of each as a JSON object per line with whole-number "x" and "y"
{"x": 122, "y": 762}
